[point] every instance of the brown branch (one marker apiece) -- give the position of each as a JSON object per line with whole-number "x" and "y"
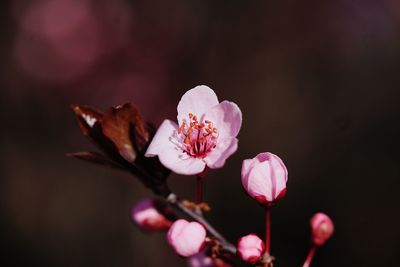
{"x": 226, "y": 246}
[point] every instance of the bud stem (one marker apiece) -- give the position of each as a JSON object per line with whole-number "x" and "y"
{"x": 310, "y": 256}
{"x": 268, "y": 230}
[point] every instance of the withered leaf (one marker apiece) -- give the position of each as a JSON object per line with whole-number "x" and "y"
{"x": 123, "y": 136}
{"x": 116, "y": 126}
{"x": 87, "y": 117}
{"x": 141, "y": 130}
{"x": 96, "y": 158}
{"x": 89, "y": 121}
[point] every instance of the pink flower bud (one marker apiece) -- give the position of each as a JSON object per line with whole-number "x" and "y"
{"x": 148, "y": 217}
{"x": 264, "y": 178}
{"x": 202, "y": 259}
{"x": 187, "y": 238}
{"x": 322, "y": 228}
{"x": 250, "y": 248}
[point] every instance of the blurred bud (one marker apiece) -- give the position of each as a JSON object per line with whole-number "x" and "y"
{"x": 187, "y": 238}
{"x": 123, "y": 136}
{"x": 322, "y": 228}
{"x": 264, "y": 178}
{"x": 151, "y": 215}
{"x": 250, "y": 248}
{"x": 202, "y": 259}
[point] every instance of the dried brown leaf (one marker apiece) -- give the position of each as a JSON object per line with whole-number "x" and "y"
{"x": 116, "y": 126}
{"x": 87, "y": 117}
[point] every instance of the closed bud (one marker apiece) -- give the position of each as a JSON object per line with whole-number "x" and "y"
{"x": 202, "y": 259}
{"x": 321, "y": 227}
{"x": 264, "y": 178}
{"x": 187, "y": 238}
{"x": 151, "y": 215}
{"x": 250, "y": 248}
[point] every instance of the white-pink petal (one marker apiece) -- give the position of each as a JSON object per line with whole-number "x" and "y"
{"x": 162, "y": 139}
{"x": 226, "y": 117}
{"x": 260, "y": 181}
{"x": 247, "y": 166}
{"x": 224, "y": 149}
{"x": 170, "y": 155}
{"x": 180, "y": 163}
{"x": 196, "y": 101}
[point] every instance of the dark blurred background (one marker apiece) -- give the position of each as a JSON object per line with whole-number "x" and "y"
{"x": 317, "y": 82}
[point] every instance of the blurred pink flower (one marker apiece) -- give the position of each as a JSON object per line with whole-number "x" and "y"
{"x": 206, "y": 135}
{"x": 322, "y": 228}
{"x": 250, "y": 248}
{"x": 202, "y": 259}
{"x": 59, "y": 40}
{"x": 187, "y": 238}
{"x": 264, "y": 178}
{"x": 148, "y": 217}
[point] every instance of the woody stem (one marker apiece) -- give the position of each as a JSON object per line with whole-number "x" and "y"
{"x": 267, "y": 230}
{"x": 226, "y": 246}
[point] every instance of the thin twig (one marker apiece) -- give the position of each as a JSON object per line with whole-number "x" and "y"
{"x": 226, "y": 246}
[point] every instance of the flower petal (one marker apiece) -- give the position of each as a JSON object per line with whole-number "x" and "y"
{"x": 225, "y": 147}
{"x": 169, "y": 154}
{"x": 248, "y": 165}
{"x": 191, "y": 239}
{"x": 162, "y": 139}
{"x": 259, "y": 181}
{"x": 187, "y": 238}
{"x": 226, "y": 117}
{"x": 175, "y": 230}
{"x": 180, "y": 163}
{"x": 196, "y": 101}
{"x": 280, "y": 174}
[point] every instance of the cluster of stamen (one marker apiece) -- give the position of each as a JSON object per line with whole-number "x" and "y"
{"x": 197, "y": 138}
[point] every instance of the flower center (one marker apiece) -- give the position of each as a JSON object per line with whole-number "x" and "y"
{"x": 197, "y": 138}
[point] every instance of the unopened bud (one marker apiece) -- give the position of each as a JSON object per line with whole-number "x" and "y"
{"x": 187, "y": 238}
{"x": 250, "y": 248}
{"x": 322, "y": 228}
{"x": 264, "y": 178}
{"x": 148, "y": 216}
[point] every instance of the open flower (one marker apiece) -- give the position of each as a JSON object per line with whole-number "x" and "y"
{"x": 264, "y": 178}
{"x": 205, "y": 136}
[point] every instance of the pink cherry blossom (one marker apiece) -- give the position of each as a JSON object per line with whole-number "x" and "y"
{"x": 187, "y": 238}
{"x": 250, "y": 248}
{"x": 206, "y": 135}
{"x": 148, "y": 217}
{"x": 264, "y": 178}
{"x": 322, "y": 228}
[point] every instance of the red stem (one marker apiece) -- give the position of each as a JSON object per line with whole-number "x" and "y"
{"x": 268, "y": 231}
{"x": 310, "y": 256}
{"x": 199, "y": 190}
